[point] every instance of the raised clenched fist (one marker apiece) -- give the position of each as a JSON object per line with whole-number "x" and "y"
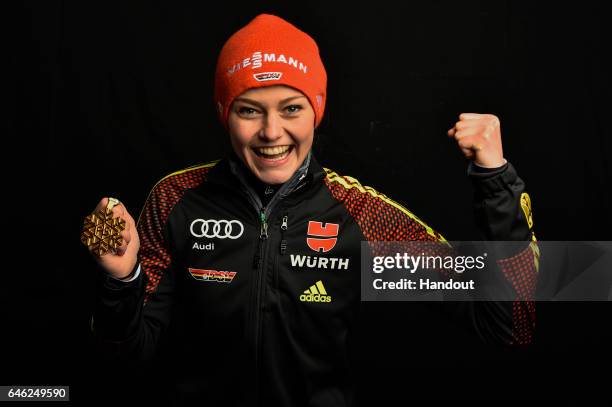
{"x": 479, "y": 138}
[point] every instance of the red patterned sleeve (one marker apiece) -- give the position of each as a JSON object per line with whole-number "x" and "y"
{"x": 131, "y": 317}
{"x": 381, "y": 219}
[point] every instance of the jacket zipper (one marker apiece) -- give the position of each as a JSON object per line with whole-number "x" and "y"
{"x": 259, "y": 260}
{"x": 282, "y": 248}
{"x": 259, "y": 265}
{"x": 283, "y": 243}
{"x": 263, "y": 235}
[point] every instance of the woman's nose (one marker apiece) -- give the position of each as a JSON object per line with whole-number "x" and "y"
{"x": 272, "y": 128}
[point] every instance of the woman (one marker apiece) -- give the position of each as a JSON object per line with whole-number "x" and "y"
{"x": 245, "y": 271}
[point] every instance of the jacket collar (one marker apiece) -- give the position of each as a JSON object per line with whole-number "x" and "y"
{"x": 230, "y": 170}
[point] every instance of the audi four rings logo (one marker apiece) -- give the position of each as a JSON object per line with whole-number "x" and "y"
{"x": 221, "y": 229}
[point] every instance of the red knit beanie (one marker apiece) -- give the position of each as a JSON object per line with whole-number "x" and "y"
{"x": 269, "y": 51}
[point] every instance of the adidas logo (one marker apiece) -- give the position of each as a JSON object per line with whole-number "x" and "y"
{"x": 316, "y": 293}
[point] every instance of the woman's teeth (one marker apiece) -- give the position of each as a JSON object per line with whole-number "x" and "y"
{"x": 273, "y": 153}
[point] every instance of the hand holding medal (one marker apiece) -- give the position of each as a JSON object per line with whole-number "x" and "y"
{"x": 111, "y": 237}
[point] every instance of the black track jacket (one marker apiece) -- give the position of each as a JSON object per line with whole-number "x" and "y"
{"x": 256, "y": 305}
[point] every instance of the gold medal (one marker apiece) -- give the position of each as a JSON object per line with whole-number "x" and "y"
{"x": 101, "y": 232}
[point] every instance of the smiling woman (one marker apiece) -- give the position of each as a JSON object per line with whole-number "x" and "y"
{"x": 272, "y": 104}
{"x": 249, "y": 267}
{"x": 271, "y": 130}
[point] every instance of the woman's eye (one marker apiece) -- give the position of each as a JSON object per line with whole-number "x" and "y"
{"x": 293, "y": 108}
{"x": 246, "y": 111}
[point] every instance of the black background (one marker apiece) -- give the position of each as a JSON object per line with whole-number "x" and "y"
{"x": 104, "y": 99}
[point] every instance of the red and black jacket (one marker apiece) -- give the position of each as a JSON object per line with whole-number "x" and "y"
{"x": 234, "y": 296}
